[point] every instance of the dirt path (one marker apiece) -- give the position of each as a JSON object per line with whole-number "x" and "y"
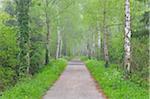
{"x": 74, "y": 83}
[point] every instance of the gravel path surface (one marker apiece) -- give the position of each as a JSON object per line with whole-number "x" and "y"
{"x": 74, "y": 83}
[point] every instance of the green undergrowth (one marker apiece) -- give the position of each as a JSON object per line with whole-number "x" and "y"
{"x": 112, "y": 83}
{"x": 84, "y": 58}
{"x": 36, "y": 86}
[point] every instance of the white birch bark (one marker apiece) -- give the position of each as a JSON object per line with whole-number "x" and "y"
{"x": 99, "y": 35}
{"x": 127, "y": 43}
{"x": 58, "y": 36}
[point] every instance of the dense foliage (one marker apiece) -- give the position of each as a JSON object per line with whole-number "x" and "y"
{"x": 8, "y": 52}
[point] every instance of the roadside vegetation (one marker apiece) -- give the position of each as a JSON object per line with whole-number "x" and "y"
{"x": 36, "y": 86}
{"x": 114, "y": 85}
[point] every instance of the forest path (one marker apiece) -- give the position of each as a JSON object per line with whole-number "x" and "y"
{"x": 74, "y": 83}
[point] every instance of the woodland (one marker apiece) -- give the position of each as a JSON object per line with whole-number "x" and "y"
{"x": 39, "y": 37}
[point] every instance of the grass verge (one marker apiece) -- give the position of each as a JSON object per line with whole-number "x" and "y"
{"x": 36, "y": 86}
{"x": 112, "y": 83}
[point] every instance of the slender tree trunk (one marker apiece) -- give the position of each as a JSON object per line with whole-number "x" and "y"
{"x": 93, "y": 44}
{"x": 88, "y": 51}
{"x": 98, "y": 41}
{"x": 58, "y": 35}
{"x": 99, "y": 36}
{"x": 64, "y": 45}
{"x": 58, "y": 42}
{"x": 127, "y": 43}
{"x": 60, "y": 47}
{"x": 24, "y": 35}
{"x": 106, "y": 55}
{"x": 47, "y": 53}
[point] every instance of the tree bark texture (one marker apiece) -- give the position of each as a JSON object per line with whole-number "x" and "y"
{"x": 127, "y": 37}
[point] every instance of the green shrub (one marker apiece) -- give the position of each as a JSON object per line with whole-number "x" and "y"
{"x": 8, "y": 52}
{"x": 112, "y": 82}
{"x": 35, "y": 87}
{"x": 7, "y": 77}
{"x": 140, "y": 61}
{"x": 116, "y": 48}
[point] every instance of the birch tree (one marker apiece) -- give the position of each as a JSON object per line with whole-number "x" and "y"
{"x": 98, "y": 40}
{"x": 59, "y": 42}
{"x": 127, "y": 38}
{"x": 105, "y": 46}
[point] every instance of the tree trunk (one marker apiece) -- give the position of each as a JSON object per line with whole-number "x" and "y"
{"x": 93, "y": 45}
{"x": 58, "y": 42}
{"x": 98, "y": 41}
{"x": 58, "y": 35}
{"x": 127, "y": 37}
{"x": 24, "y": 35}
{"x": 60, "y": 48}
{"x": 47, "y": 53}
{"x": 106, "y": 55}
{"x": 88, "y": 50}
{"x": 64, "y": 45}
{"x": 99, "y": 36}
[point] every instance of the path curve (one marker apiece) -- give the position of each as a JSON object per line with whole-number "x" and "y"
{"x": 74, "y": 83}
